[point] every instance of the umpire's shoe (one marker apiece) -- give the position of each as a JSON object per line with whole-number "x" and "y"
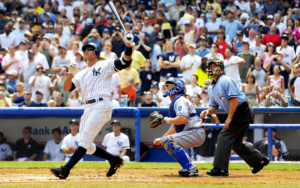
{"x": 264, "y": 162}
{"x": 188, "y": 173}
{"x": 61, "y": 172}
{"x": 117, "y": 163}
{"x": 217, "y": 172}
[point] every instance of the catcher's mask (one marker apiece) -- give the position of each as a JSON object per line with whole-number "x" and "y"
{"x": 173, "y": 86}
{"x": 213, "y": 67}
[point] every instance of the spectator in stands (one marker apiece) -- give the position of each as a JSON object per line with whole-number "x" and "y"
{"x": 27, "y": 69}
{"x": 272, "y": 7}
{"x": 213, "y": 26}
{"x": 287, "y": 51}
{"x": 147, "y": 78}
{"x": 8, "y": 88}
{"x": 12, "y": 79}
{"x": 231, "y": 25}
{"x": 129, "y": 71}
{"x": 203, "y": 50}
{"x": 272, "y": 37}
{"x": 27, "y": 100}
{"x": 59, "y": 99}
{"x": 276, "y": 98}
{"x": 206, "y": 151}
{"x": 12, "y": 61}
{"x": 257, "y": 49}
{"x": 45, "y": 49}
{"x": 143, "y": 47}
{"x": 107, "y": 52}
{"x": 70, "y": 142}
{"x": 117, "y": 143}
{"x": 193, "y": 87}
{"x": 169, "y": 61}
{"x": 5, "y": 150}
{"x": 249, "y": 58}
{"x": 251, "y": 90}
{"x": 20, "y": 32}
{"x": 149, "y": 100}
{"x": 222, "y": 43}
{"x": 8, "y": 38}
{"x": 276, "y": 78}
{"x": 40, "y": 82}
{"x": 204, "y": 31}
{"x": 53, "y": 151}
{"x": 196, "y": 100}
{"x": 231, "y": 64}
{"x": 190, "y": 31}
{"x": 23, "y": 49}
{"x": 157, "y": 49}
{"x": 205, "y": 99}
{"x": 269, "y": 52}
{"x": 51, "y": 103}
{"x": 3, "y": 20}
{"x": 39, "y": 57}
{"x": 79, "y": 60}
{"x": 295, "y": 86}
{"x": 259, "y": 72}
{"x": 39, "y": 99}
{"x": 118, "y": 42}
{"x": 280, "y": 26}
{"x": 74, "y": 100}
{"x": 214, "y": 53}
{"x": 26, "y": 149}
{"x": 129, "y": 89}
{"x": 157, "y": 95}
{"x": 4, "y": 101}
{"x": 181, "y": 46}
{"x": 59, "y": 83}
{"x": 174, "y": 10}
{"x": 190, "y": 63}
{"x": 18, "y": 96}
{"x": 61, "y": 60}
{"x": 95, "y": 38}
{"x": 267, "y": 28}
{"x": 113, "y": 102}
{"x": 262, "y": 145}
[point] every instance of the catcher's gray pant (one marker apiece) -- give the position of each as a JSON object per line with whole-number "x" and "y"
{"x": 190, "y": 138}
{"x": 233, "y": 139}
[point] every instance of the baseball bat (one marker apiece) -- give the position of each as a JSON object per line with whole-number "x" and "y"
{"x": 113, "y": 8}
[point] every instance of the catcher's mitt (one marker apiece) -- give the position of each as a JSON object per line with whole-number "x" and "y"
{"x": 155, "y": 119}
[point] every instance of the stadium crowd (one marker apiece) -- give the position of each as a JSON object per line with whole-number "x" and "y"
{"x": 258, "y": 41}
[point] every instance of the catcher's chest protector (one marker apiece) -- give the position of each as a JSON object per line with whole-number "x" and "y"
{"x": 172, "y": 114}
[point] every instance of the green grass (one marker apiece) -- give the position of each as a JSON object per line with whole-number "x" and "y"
{"x": 200, "y": 166}
{"x": 162, "y": 186}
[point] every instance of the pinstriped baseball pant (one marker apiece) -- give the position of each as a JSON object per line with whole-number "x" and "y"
{"x": 93, "y": 119}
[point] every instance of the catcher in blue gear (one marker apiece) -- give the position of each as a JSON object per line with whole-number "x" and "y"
{"x": 186, "y": 130}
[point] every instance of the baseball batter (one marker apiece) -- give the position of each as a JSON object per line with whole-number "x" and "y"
{"x": 186, "y": 128}
{"x": 94, "y": 82}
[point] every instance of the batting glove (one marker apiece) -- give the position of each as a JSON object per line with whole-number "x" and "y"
{"x": 129, "y": 39}
{"x": 73, "y": 69}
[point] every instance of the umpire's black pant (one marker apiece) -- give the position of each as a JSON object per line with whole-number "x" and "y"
{"x": 233, "y": 139}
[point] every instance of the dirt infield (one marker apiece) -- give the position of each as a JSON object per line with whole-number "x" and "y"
{"x": 144, "y": 177}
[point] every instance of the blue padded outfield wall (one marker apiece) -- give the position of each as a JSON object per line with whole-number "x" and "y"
{"x": 43, "y": 120}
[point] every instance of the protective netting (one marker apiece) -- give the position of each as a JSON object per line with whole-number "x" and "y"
{"x": 41, "y": 131}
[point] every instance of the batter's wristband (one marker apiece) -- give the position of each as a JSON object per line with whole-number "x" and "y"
{"x": 167, "y": 120}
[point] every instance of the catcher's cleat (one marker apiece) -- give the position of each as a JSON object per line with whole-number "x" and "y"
{"x": 117, "y": 163}
{"x": 61, "y": 172}
{"x": 217, "y": 172}
{"x": 188, "y": 173}
{"x": 264, "y": 162}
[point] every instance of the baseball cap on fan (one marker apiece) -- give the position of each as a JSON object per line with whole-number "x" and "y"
{"x": 89, "y": 21}
{"x": 74, "y": 122}
{"x": 115, "y": 122}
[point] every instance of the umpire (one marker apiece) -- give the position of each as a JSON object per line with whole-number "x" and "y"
{"x": 225, "y": 93}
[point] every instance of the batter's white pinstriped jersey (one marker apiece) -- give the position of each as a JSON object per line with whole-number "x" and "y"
{"x": 95, "y": 81}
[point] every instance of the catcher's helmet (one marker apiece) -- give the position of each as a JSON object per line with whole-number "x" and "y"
{"x": 219, "y": 64}
{"x": 178, "y": 88}
{"x": 93, "y": 45}
{"x": 206, "y": 119}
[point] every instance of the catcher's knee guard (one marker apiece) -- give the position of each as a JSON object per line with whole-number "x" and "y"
{"x": 177, "y": 152}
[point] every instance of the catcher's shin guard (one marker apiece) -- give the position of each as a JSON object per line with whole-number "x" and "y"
{"x": 177, "y": 152}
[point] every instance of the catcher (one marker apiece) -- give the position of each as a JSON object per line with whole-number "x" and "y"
{"x": 186, "y": 130}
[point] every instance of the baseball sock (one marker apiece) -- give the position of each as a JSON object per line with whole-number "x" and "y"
{"x": 78, "y": 154}
{"x": 102, "y": 153}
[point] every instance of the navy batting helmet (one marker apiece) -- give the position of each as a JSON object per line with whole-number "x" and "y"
{"x": 178, "y": 88}
{"x": 92, "y": 46}
{"x": 219, "y": 63}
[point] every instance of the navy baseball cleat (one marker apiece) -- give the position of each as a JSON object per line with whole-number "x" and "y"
{"x": 117, "y": 163}
{"x": 61, "y": 172}
{"x": 264, "y": 162}
{"x": 217, "y": 172}
{"x": 188, "y": 173}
